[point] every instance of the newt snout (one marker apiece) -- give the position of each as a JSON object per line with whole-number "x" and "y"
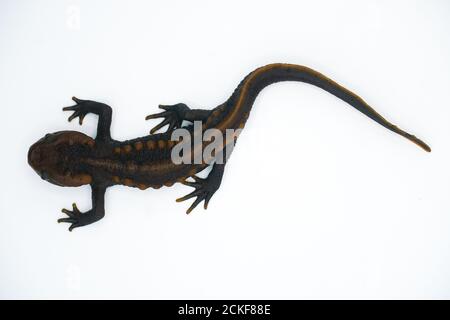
{"x": 35, "y": 156}
{"x": 42, "y": 156}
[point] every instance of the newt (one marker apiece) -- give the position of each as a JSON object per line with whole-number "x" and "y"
{"x": 72, "y": 159}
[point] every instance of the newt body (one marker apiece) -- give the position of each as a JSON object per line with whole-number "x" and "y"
{"x": 71, "y": 158}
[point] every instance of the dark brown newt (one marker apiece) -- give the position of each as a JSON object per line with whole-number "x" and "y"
{"x": 71, "y": 158}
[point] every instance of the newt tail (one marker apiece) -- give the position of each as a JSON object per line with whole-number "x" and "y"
{"x": 238, "y": 106}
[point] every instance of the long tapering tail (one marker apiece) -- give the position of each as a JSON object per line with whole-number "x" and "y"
{"x": 239, "y": 105}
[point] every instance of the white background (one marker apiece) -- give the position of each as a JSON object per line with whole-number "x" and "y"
{"x": 317, "y": 201}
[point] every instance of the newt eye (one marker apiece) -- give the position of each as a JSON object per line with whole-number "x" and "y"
{"x": 44, "y": 175}
{"x": 50, "y": 137}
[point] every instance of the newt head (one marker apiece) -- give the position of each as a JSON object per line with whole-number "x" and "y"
{"x": 53, "y": 157}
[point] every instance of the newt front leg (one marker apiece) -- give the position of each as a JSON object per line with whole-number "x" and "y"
{"x": 98, "y": 186}
{"x": 79, "y": 219}
{"x": 104, "y": 112}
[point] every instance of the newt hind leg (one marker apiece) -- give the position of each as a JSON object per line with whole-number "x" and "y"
{"x": 204, "y": 187}
{"x": 174, "y": 115}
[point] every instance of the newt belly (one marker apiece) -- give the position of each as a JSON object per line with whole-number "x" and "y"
{"x": 70, "y": 158}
